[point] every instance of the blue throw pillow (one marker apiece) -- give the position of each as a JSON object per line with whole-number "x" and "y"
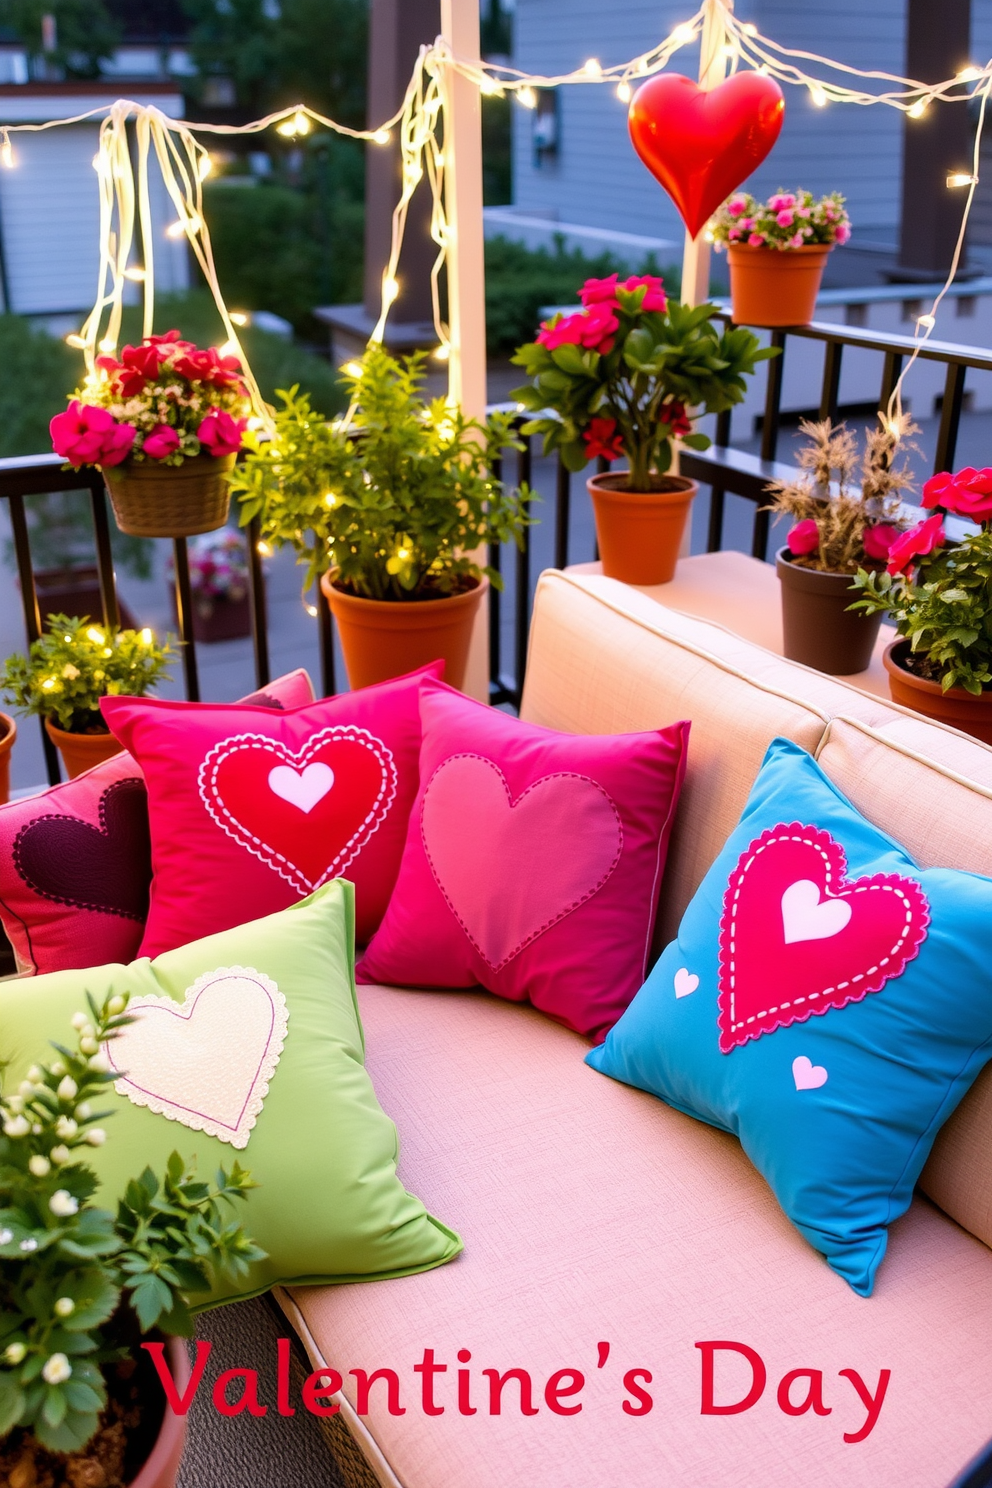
{"x": 826, "y": 1001}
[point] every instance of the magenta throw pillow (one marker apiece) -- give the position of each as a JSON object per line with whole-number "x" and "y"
{"x": 251, "y": 810}
{"x": 75, "y": 860}
{"x": 532, "y": 862}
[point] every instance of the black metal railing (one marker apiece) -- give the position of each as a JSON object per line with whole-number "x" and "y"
{"x": 724, "y": 468}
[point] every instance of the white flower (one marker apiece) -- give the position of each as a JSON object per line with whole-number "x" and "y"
{"x": 40, "y": 1166}
{"x": 66, "y": 1127}
{"x": 100, "y": 1063}
{"x": 60, "y": 1154}
{"x": 64, "y": 1307}
{"x": 57, "y": 1369}
{"x": 96, "y": 1137}
{"x": 84, "y": 1111}
{"x": 6, "y": 1236}
{"x": 62, "y": 1204}
{"x": 18, "y": 1126}
{"x": 28, "y": 1245}
{"x": 79, "y": 1020}
{"x": 88, "y": 1045}
{"x": 36, "y": 1074}
{"x": 26, "y": 1089}
{"x": 58, "y": 1068}
{"x": 15, "y": 1105}
{"x": 14, "y": 1353}
{"x": 68, "y": 1089}
{"x": 116, "y": 1005}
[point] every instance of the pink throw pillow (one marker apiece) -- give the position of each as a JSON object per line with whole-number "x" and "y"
{"x": 532, "y": 862}
{"x": 75, "y": 860}
{"x": 252, "y": 810}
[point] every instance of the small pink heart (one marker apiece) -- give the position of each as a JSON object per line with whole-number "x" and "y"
{"x": 808, "y": 1076}
{"x": 686, "y": 982}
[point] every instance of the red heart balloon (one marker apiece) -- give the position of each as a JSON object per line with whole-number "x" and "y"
{"x": 702, "y": 145}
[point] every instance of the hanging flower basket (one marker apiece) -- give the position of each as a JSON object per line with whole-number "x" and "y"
{"x": 170, "y": 500}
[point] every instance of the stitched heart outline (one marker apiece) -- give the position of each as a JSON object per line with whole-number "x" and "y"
{"x": 766, "y": 982}
{"x": 225, "y": 818}
{"x": 245, "y": 1053}
{"x": 104, "y": 868}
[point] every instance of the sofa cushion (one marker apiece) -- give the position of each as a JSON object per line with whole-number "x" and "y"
{"x": 593, "y": 1213}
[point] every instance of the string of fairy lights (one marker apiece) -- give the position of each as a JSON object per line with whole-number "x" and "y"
{"x": 418, "y": 126}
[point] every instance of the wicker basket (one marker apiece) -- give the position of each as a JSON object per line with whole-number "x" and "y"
{"x": 170, "y": 500}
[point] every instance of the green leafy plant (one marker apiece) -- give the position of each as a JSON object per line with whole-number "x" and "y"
{"x": 939, "y": 593}
{"x": 77, "y": 1283}
{"x": 397, "y": 502}
{"x": 76, "y": 663}
{"x": 630, "y": 373}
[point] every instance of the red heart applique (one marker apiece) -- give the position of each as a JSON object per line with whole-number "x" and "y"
{"x": 702, "y": 145}
{"x": 305, "y": 814}
{"x": 796, "y": 938}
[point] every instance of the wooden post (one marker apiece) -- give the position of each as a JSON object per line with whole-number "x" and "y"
{"x": 712, "y": 70}
{"x": 466, "y": 264}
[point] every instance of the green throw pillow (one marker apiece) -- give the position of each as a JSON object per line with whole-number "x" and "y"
{"x": 250, "y": 1047}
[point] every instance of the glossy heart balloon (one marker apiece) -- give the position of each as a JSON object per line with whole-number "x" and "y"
{"x": 702, "y": 145}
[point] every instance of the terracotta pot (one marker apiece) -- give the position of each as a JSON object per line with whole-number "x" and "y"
{"x": 818, "y": 629}
{"x": 640, "y": 532}
{"x": 385, "y": 638}
{"x": 775, "y": 286}
{"x": 162, "y": 1465}
{"x": 8, "y": 733}
{"x": 81, "y": 751}
{"x": 152, "y": 500}
{"x": 961, "y": 709}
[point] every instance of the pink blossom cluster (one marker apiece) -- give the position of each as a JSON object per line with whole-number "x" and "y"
{"x": 968, "y": 493}
{"x": 165, "y": 400}
{"x": 594, "y": 327}
{"x": 789, "y": 219}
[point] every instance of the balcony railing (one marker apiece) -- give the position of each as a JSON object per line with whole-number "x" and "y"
{"x": 724, "y": 469}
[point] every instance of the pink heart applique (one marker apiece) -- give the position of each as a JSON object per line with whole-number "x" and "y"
{"x": 797, "y": 938}
{"x": 509, "y": 870}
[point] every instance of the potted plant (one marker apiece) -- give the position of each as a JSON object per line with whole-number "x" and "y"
{"x": 777, "y": 251}
{"x": 629, "y": 374}
{"x": 939, "y": 593}
{"x": 79, "y": 1286}
{"x": 66, "y": 673}
{"x": 840, "y": 530}
{"x": 389, "y": 514}
{"x": 218, "y": 577}
{"x": 164, "y": 424}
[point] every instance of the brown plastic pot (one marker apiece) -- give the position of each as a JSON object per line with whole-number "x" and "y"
{"x": 81, "y": 751}
{"x": 775, "y": 286}
{"x": 384, "y": 638}
{"x": 818, "y": 629}
{"x": 162, "y": 1464}
{"x": 153, "y": 500}
{"x": 640, "y": 532}
{"x": 8, "y": 733}
{"x": 961, "y": 709}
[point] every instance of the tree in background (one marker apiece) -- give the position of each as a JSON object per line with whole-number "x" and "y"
{"x": 84, "y": 33}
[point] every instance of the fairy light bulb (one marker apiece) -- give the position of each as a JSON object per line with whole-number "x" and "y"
{"x": 390, "y": 289}
{"x": 593, "y": 68}
{"x": 527, "y": 97}
{"x": 75, "y": 341}
{"x": 7, "y": 154}
{"x": 205, "y": 167}
{"x": 960, "y": 178}
{"x": 968, "y": 74}
{"x": 919, "y": 108}
{"x": 684, "y": 34}
{"x": 818, "y": 97}
{"x": 135, "y": 274}
{"x": 240, "y": 317}
{"x": 623, "y": 91}
{"x": 926, "y": 321}
{"x": 263, "y": 549}
{"x": 382, "y": 136}
{"x": 442, "y": 352}
{"x": 146, "y": 636}
{"x": 353, "y": 369}
{"x": 108, "y": 344}
{"x": 95, "y": 635}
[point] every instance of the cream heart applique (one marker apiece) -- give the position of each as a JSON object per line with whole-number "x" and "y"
{"x": 205, "y": 1062}
{"x": 807, "y": 1075}
{"x": 304, "y": 789}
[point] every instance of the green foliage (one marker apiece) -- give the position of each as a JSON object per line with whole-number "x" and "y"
{"x": 657, "y": 358}
{"x": 396, "y": 506}
{"x": 944, "y": 608}
{"x": 72, "y": 1273}
{"x": 86, "y": 33}
{"x": 76, "y": 663}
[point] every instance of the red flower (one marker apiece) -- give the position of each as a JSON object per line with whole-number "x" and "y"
{"x": 593, "y": 328}
{"x": 220, "y": 434}
{"x": 167, "y": 338}
{"x": 161, "y": 442}
{"x": 919, "y": 540}
{"x": 596, "y": 291}
{"x": 85, "y": 435}
{"x": 675, "y": 416}
{"x": 968, "y": 493}
{"x": 655, "y": 299}
{"x": 879, "y": 539}
{"x": 208, "y": 366}
{"x": 601, "y": 439}
{"x": 803, "y": 538}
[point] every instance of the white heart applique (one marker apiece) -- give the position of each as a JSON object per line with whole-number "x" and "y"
{"x": 302, "y": 788}
{"x": 807, "y": 1075}
{"x": 805, "y": 916}
{"x": 205, "y": 1062}
{"x": 686, "y": 982}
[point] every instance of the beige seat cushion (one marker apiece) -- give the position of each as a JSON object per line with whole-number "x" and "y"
{"x": 593, "y": 1212}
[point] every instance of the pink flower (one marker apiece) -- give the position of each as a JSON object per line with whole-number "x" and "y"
{"x": 208, "y": 366}
{"x": 674, "y": 415}
{"x": 593, "y": 328}
{"x": 879, "y": 539}
{"x": 161, "y": 442}
{"x": 968, "y": 493}
{"x": 220, "y": 434}
{"x": 602, "y": 440}
{"x": 655, "y": 298}
{"x": 797, "y": 241}
{"x": 736, "y": 205}
{"x": 803, "y": 538}
{"x": 781, "y": 202}
{"x": 918, "y": 541}
{"x": 804, "y": 211}
{"x": 563, "y": 330}
{"x": 756, "y": 240}
{"x": 167, "y": 338}
{"x": 785, "y": 219}
{"x": 596, "y": 290}
{"x": 85, "y": 435}
{"x": 842, "y": 232}
{"x": 746, "y": 224}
